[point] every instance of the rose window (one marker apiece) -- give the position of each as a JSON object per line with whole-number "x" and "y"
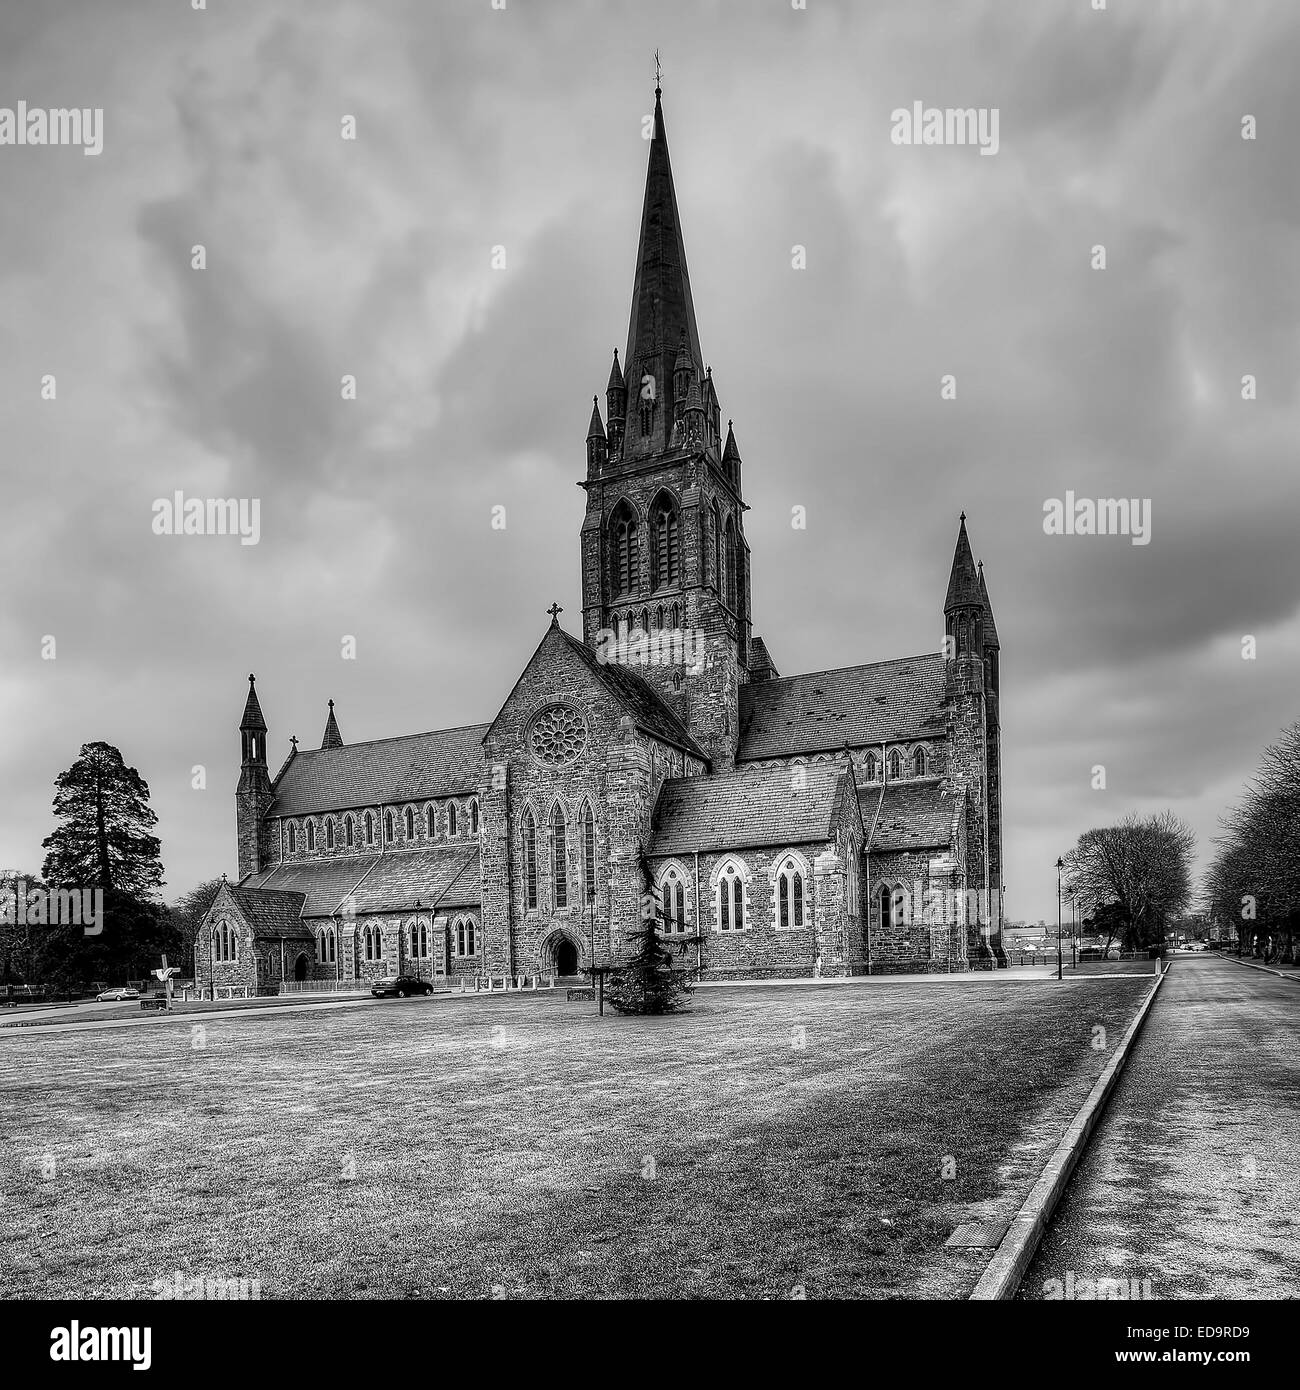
{"x": 557, "y": 735}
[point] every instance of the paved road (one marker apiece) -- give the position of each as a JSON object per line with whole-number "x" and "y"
{"x": 1192, "y": 1178}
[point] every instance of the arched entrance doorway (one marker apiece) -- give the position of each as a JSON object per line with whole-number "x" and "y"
{"x": 566, "y": 957}
{"x": 300, "y": 968}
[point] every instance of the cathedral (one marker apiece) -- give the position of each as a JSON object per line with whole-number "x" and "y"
{"x": 841, "y": 823}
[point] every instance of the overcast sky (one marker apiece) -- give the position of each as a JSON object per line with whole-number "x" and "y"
{"x": 522, "y": 128}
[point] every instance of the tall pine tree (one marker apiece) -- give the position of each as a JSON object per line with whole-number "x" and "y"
{"x": 104, "y": 838}
{"x": 104, "y": 841}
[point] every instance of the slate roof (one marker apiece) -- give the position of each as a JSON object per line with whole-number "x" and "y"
{"x": 914, "y": 815}
{"x": 638, "y": 697}
{"x": 745, "y": 809}
{"x": 882, "y": 701}
{"x": 271, "y": 914}
{"x": 447, "y": 762}
{"x": 388, "y": 882}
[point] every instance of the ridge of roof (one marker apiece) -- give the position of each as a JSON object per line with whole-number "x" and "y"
{"x": 857, "y": 666}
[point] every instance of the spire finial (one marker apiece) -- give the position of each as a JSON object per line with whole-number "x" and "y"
{"x": 658, "y": 89}
{"x": 963, "y": 516}
{"x": 252, "y": 679}
{"x": 331, "y": 704}
{"x": 555, "y": 610}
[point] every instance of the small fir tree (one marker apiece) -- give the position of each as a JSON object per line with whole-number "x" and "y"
{"x": 648, "y": 984}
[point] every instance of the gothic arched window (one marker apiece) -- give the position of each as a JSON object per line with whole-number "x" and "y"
{"x": 665, "y": 543}
{"x": 293, "y": 838}
{"x": 588, "y": 851}
{"x": 895, "y": 765}
{"x": 311, "y": 835}
{"x": 409, "y": 819}
{"x": 716, "y": 518}
{"x": 672, "y": 890}
{"x": 789, "y": 886}
{"x": 870, "y": 767}
{"x": 451, "y": 818}
{"x": 529, "y": 835}
{"x": 625, "y": 560}
{"x": 918, "y": 762}
{"x": 431, "y": 822}
{"x": 729, "y": 560}
{"x": 370, "y": 829}
{"x": 730, "y": 899}
{"x": 347, "y": 831}
{"x": 886, "y": 899}
{"x": 329, "y": 833}
{"x": 559, "y": 858}
{"x": 388, "y": 827}
{"x": 473, "y": 817}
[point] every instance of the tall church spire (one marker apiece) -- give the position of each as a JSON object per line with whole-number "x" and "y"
{"x": 663, "y": 539}
{"x": 963, "y": 582}
{"x": 663, "y": 312}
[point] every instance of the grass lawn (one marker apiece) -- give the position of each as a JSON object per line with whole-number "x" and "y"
{"x": 1111, "y": 967}
{"x": 526, "y": 1146}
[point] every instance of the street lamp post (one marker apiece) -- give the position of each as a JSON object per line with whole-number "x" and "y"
{"x": 1060, "y": 865}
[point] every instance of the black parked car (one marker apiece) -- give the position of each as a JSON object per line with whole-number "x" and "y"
{"x": 400, "y": 985}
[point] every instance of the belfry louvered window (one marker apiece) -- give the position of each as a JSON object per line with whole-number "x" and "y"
{"x": 625, "y": 561}
{"x": 665, "y": 543}
{"x": 729, "y": 547}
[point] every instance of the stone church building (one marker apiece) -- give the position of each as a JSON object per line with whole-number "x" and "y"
{"x": 838, "y": 823}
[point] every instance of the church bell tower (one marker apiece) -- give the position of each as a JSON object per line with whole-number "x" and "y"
{"x": 665, "y": 563}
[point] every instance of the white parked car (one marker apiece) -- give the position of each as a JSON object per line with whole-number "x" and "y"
{"x": 114, "y": 996}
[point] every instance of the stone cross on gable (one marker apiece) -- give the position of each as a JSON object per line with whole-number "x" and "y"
{"x": 555, "y": 610}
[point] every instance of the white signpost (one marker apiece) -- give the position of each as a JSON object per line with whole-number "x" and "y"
{"x": 167, "y": 974}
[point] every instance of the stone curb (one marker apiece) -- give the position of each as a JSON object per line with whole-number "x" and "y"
{"x": 1267, "y": 969}
{"x": 1012, "y": 1257}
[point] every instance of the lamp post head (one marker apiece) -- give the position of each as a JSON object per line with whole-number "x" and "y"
{"x": 1060, "y": 864}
